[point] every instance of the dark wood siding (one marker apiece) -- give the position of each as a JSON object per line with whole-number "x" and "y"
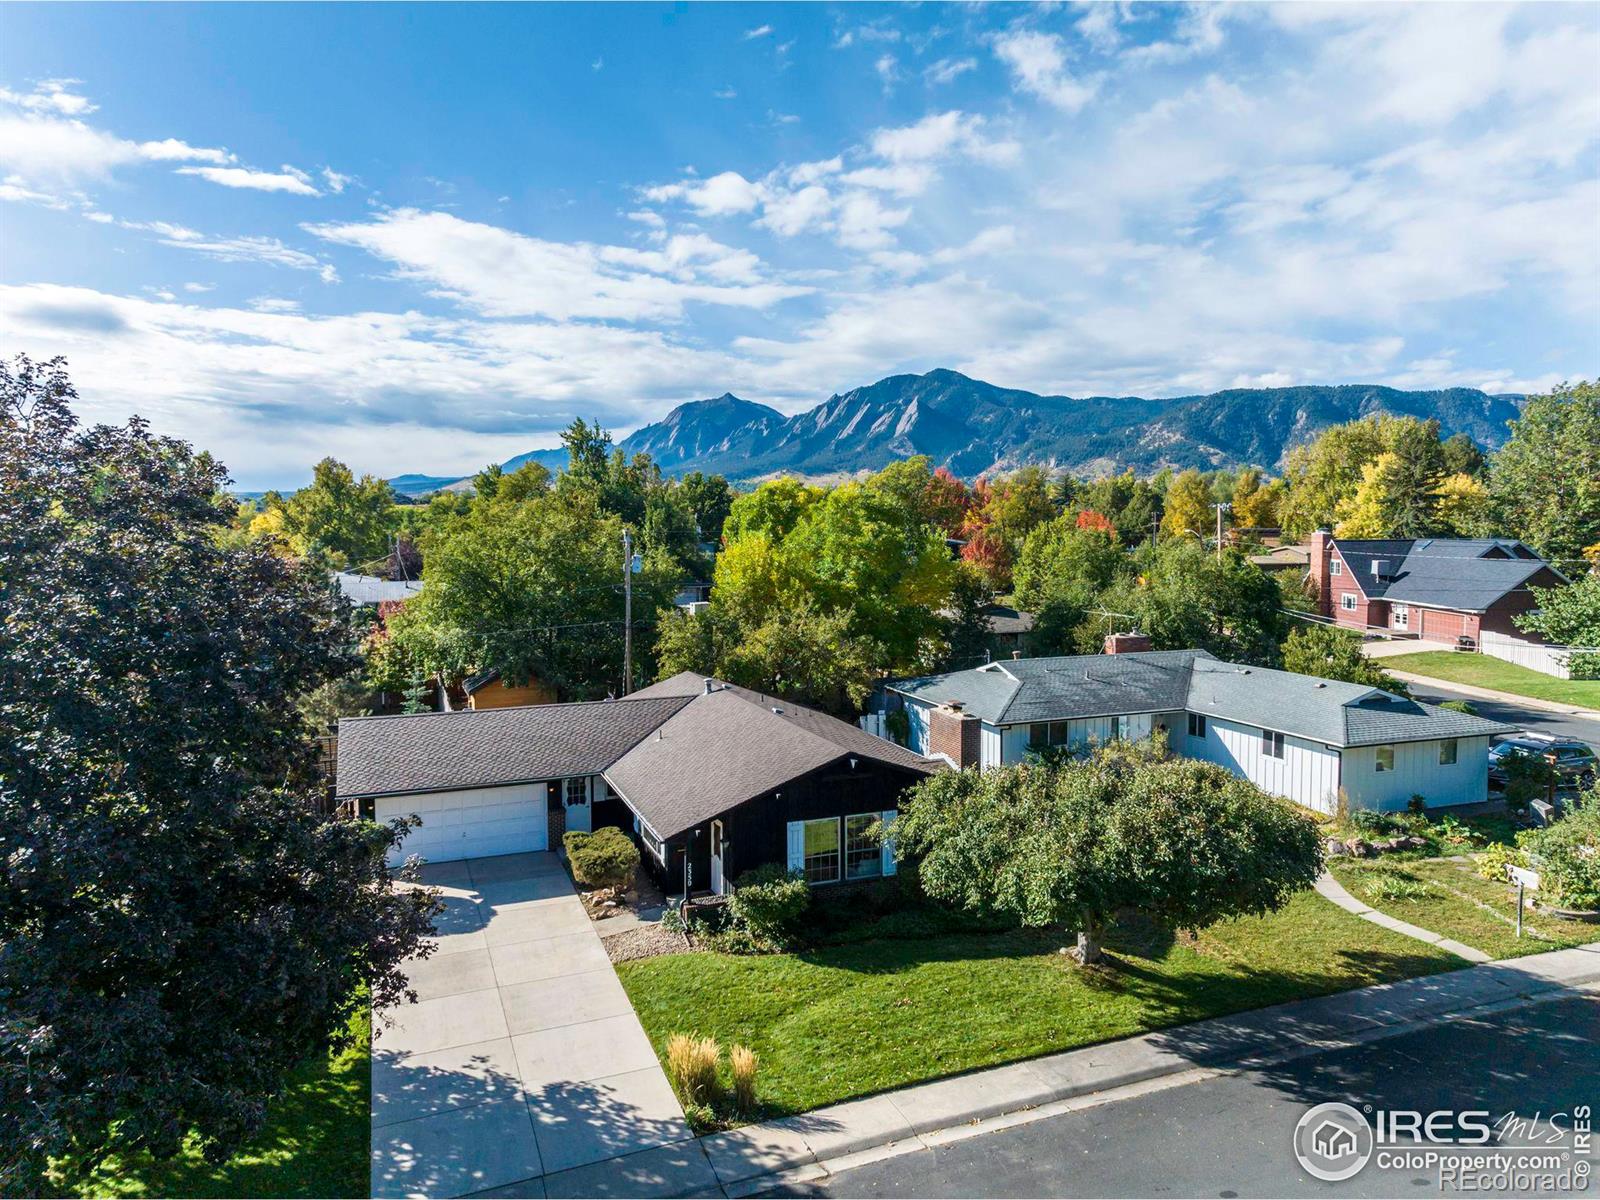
{"x": 757, "y": 831}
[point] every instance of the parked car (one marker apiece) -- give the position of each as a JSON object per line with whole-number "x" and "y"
{"x": 1575, "y": 764}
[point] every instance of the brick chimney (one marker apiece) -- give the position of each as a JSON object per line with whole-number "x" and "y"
{"x": 1127, "y": 643}
{"x": 955, "y": 734}
{"x": 1321, "y": 552}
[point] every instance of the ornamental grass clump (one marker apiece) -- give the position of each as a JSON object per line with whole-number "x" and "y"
{"x": 743, "y": 1060}
{"x": 692, "y": 1063}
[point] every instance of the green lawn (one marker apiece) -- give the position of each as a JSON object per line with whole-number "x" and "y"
{"x": 1479, "y": 670}
{"x": 1452, "y": 899}
{"x": 847, "y": 1020}
{"x": 316, "y": 1142}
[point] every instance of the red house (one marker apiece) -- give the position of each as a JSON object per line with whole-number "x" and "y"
{"x": 1437, "y": 589}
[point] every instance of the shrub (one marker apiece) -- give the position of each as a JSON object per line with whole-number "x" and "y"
{"x": 1460, "y": 706}
{"x": 692, "y": 1064}
{"x": 1453, "y": 833}
{"x": 604, "y": 858}
{"x": 1417, "y": 804}
{"x": 1492, "y": 863}
{"x": 743, "y": 1060}
{"x": 1370, "y": 822}
{"x": 1389, "y": 886}
{"x": 769, "y": 902}
{"x": 1567, "y": 856}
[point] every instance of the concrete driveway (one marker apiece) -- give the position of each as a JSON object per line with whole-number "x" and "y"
{"x": 522, "y": 1069}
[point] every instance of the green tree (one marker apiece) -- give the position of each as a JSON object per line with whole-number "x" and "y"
{"x": 532, "y": 589}
{"x": 1255, "y": 500}
{"x": 1463, "y": 507}
{"x": 709, "y": 498}
{"x": 1332, "y": 653}
{"x": 1069, "y": 845}
{"x": 1545, "y": 481}
{"x": 1059, "y": 556}
{"x": 1185, "y": 599}
{"x": 346, "y": 520}
{"x": 1463, "y": 456}
{"x": 180, "y": 926}
{"x": 1327, "y": 469}
{"x": 774, "y": 509}
{"x": 1128, "y": 503}
{"x": 1569, "y": 616}
{"x": 1411, "y": 480}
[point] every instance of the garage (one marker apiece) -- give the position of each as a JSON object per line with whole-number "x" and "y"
{"x": 472, "y": 823}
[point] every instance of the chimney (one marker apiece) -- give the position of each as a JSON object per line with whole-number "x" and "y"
{"x": 1380, "y": 568}
{"x": 955, "y": 734}
{"x": 1321, "y": 552}
{"x": 1127, "y": 643}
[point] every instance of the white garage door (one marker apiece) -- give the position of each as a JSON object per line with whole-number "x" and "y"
{"x": 471, "y": 824}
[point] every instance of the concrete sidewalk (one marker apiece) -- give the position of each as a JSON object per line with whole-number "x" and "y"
{"x": 815, "y": 1144}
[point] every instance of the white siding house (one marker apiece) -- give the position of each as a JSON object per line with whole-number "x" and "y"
{"x": 1304, "y": 771}
{"x": 1309, "y": 740}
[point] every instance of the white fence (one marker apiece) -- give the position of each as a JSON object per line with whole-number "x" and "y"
{"x": 1549, "y": 660}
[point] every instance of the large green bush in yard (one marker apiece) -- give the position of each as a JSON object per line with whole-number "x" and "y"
{"x": 1069, "y": 844}
{"x": 1567, "y": 855}
{"x": 606, "y": 858}
{"x": 769, "y": 902}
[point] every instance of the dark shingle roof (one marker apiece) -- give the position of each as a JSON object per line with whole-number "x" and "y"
{"x": 1056, "y": 689}
{"x": 727, "y": 746}
{"x": 1469, "y": 574}
{"x": 432, "y": 752}
{"x": 1060, "y": 689}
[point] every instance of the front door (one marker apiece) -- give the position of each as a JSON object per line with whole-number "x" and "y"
{"x": 1400, "y": 617}
{"x": 575, "y": 799}
{"x": 716, "y": 857}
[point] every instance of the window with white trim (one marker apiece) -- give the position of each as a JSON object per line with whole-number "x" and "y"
{"x": 1448, "y": 748}
{"x": 821, "y": 861}
{"x": 1347, "y": 601}
{"x": 1383, "y": 758}
{"x": 1271, "y": 743}
{"x": 1335, "y": 567}
{"x": 1197, "y": 725}
{"x": 863, "y": 853}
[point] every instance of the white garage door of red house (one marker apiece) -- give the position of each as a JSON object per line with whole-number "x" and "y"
{"x": 471, "y": 824}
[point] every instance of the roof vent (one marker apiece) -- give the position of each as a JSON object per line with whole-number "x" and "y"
{"x": 711, "y": 686}
{"x": 777, "y": 710}
{"x": 1319, "y": 685}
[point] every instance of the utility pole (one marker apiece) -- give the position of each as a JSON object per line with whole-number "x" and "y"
{"x": 1221, "y": 508}
{"x": 627, "y": 611}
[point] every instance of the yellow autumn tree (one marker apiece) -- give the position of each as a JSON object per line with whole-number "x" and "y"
{"x": 1188, "y": 506}
{"x": 1463, "y": 507}
{"x": 1365, "y": 512}
{"x": 1255, "y": 501}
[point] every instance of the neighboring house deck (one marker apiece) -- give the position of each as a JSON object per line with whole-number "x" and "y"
{"x": 1446, "y": 590}
{"x": 1310, "y": 740}
{"x": 713, "y": 779}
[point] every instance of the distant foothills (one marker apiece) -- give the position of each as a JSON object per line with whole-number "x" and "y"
{"x": 975, "y": 428}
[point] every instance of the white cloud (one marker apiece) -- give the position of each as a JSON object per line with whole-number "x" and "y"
{"x": 947, "y": 69}
{"x": 1038, "y": 64}
{"x": 791, "y": 213}
{"x": 50, "y": 96}
{"x": 888, "y": 68}
{"x": 506, "y": 274}
{"x": 199, "y": 287}
{"x": 296, "y": 183}
{"x": 334, "y": 181}
{"x": 760, "y": 31}
{"x": 719, "y": 196}
{"x": 268, "y": 251}
{"x": 725, "y": 93}
{"x": 174, "y": 150}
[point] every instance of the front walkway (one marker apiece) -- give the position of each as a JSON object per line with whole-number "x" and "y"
{"x": 522, "y": 1067}
{"x": 1331, "y": 889}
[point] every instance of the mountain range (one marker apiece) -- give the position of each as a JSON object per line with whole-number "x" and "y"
{"x": 976, "y": 428}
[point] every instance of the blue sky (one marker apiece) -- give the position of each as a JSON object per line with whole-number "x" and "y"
{"x": 425, "y": 237}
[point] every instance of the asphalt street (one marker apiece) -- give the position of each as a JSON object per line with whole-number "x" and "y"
{"x": 1230, "y": 1136}
{"x": 1531, "y": 719}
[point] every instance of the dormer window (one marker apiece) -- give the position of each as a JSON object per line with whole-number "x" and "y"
{"x": 1335, "y": 566}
